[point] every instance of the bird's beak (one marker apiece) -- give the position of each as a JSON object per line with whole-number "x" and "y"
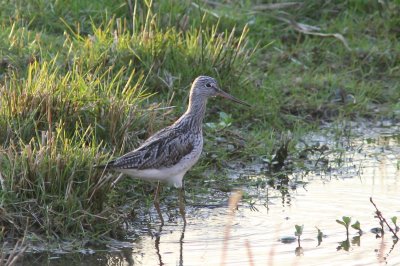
{"x": 230, "y": 97}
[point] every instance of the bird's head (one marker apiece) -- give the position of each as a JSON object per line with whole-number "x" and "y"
{"x": 208, "y": 87}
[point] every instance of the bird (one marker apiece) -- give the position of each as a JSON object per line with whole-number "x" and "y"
{"x": 167, "y": 155}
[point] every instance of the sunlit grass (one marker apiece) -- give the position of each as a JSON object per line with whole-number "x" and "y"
{"x": 73, "y": 100}
{"x": 83, "y": 82}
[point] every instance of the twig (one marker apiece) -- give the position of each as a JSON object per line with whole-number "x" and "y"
{"x": 382, "y": 219}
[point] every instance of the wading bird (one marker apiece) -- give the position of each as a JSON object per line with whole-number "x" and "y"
{"x": 171, "y": 152}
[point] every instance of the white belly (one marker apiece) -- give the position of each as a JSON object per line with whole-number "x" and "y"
{"x": 172, "y": 175}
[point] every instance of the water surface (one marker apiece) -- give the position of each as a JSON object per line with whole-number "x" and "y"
{"x": 369, "y": 167}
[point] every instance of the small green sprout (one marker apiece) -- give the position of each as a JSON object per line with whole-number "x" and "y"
{"x": 225, "y": 120}
{"x": 356, "y": 226}
{"x": 346, "y": 223}
{"x": 319, "y": 236}
{"x": 298, "y": 232}
{"x": 394, "y": 221}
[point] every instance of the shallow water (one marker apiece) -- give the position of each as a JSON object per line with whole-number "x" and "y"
{"x": 370, "y": 168}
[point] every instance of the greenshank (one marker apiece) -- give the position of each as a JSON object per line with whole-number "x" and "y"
{"x": 171, "y": 152}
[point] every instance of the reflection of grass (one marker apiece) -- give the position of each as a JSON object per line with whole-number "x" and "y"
{"x": 82, "y": 82}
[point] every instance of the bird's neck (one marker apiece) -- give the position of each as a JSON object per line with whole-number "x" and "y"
{"x": 195, "y": 113}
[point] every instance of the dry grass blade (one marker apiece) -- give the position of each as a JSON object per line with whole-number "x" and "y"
{"x": 104, "y": 180}
{"x": 10, "y": 258}
{"x": 313, "y": 30}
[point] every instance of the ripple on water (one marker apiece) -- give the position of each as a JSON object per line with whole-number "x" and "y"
{"x": 369, "y": 169}
{"x": 322, "y": 201}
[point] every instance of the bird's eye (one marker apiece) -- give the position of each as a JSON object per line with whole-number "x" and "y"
{"x": 208, "y": 85}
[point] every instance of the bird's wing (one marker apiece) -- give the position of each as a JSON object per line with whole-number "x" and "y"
{"x": 163, "y": 150}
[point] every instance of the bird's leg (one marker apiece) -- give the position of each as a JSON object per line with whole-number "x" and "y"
{"x": 182, "y": 204}
{"x": 157, "y": 203}
{"x": 181, "y": 244}
{"x": 157, "y": 245}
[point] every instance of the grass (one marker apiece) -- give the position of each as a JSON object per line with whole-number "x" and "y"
{"x": 85, "y": 81}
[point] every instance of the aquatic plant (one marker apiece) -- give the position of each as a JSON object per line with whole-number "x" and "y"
{"x": 356, "y": 226}
{"x": 345, "y": 245}
{"x": 87, "y": 81}
{"x": 346, "y": 223}
{"x": 383, "y": 221}
{"x": 298, "y": 232}
{"x": 319, "y": 236}
{"x": 394, "y": 221}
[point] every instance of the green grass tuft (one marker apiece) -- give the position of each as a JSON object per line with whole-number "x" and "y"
{"x": 84, "y": 81}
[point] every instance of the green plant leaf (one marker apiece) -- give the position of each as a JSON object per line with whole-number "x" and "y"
{"x": 299, "y": 230}
{"x": 223, "y": 116}
{"x": 356, "y": 225}
{"x": 341, "y": 222}
{"x": 346, "y": 220}
{"x": 394, "y": 220}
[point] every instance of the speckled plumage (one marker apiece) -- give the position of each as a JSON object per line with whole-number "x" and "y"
{"x": 171, "y": 152}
